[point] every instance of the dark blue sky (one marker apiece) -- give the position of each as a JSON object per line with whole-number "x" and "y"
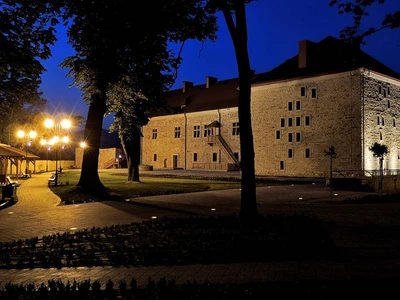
{"x": 274, "y": 29}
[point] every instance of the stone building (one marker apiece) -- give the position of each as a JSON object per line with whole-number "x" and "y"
{"x": 330, "y": 94}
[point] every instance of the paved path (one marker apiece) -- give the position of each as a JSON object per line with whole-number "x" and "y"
{"x": 38, "y": 213}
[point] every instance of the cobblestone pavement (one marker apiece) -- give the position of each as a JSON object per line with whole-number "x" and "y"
{"x": 38, "y": 213}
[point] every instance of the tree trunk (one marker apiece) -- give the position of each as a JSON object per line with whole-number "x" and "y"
{"x": 248, "y": 204}
{"x": 132, "y": 153}
{"x": 380, "y": 184}
{"x": 89, "y": 180}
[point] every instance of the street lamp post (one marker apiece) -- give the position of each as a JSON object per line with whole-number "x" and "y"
{"x": 57, "y": 130}
{"x": 28, "y": 137}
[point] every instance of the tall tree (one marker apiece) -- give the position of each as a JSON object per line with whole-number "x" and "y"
{"x": 26, "y": 32}
{"x": 106, "y": 38}
{"x": 234, "y": 12}
{"x": 379, "y": 151}
{"x": 360, "y": 9}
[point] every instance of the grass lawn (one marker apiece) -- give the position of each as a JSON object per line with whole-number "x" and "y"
{"x": 148, "y": 186}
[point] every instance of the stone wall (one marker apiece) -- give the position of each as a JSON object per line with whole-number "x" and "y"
{"x": 382, "y": 119}
{"x": 107, "y": 157}
{"x": 160, "y": 152}
{"x": 331, "y": 118}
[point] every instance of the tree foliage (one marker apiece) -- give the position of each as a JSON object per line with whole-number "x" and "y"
{"x": 360, "y": 9}
{"x": 26, "y": 33}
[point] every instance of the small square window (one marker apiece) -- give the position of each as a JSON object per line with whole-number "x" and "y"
{"x": 214, "y": 157}
{"x": 307, "y": 153}
{"x": 194, "y": 156}
{"x": 314, "y": 93}
{"x": 235, "y": 128}
{"x": 290, "y": 153}
{"x": 278, "y": 134}
{"x": 290, "y": 106}
{"x": 307, "y": 120}
{"x": 303, "y": 91}
{"x": 290, "y": 122}
{"x": 155, "y": 157}
{"x": 282, "y": 165}
{"x": 282, "y": 122}
{"x": 298, "y": 105}
{"x": 290, "y": 137}
{"x": 298, "y": 137}
{"x": 298, "y": 121}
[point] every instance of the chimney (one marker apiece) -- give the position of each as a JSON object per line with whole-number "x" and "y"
{"x": 186, "y": 85}
{"x": 307, "y": 54}
{"x": 210, "y": 81}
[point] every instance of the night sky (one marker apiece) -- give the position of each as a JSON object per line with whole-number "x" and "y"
{"x": 274, "y": 29}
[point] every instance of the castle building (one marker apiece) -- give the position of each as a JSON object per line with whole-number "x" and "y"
{"x": 330, "y": 94}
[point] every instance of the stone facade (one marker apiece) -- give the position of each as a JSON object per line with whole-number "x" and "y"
{"x": 381, "y": 96}
{"x": 182, "y": 140}
{"x": 292, "y": 130}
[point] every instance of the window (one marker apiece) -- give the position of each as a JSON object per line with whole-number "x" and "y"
{"x": 380, "y": 89}
{"x": 194, "y": 156}
{"x": 290, "y": 122}
{"x": 214, "y": 157}
{"x": 379, "y": 120}
{"x": 290, "y": 106}
{"x": 307, "y": 121}
{"x": 307, "y": 153}
{"x": 177, "y": 132}
{"x": 196, "y": 131}
{"x": 380, "y": 135}
{"x": 236, "y": 155}
{"x": 290, "y": 137}
{"x": 205, "y": 130}
{"x": 303, "y": 91}
{"x": 388, "y": 91}
{"x": 388, "y": 103}
{"x": 282, "y": 165}
{"x": 298, "y": 105}
{"x": 394, "y": 122}
{"x": 278, "y": 134}
{"x": 384, "y": 92}
{"x": 155, "y": 134}
{"x": 235, "y": 128}
{"x": 298, "y": 137}
{"x": 314, "y": 93}
{"x": 383, "y": 121}
{"x": 298, "y": 121}
{"x": 282, "y": 122}
{"x": 208, "y": 131}
{"x": 155, "y": 157}
{"x": 290, "y": 153}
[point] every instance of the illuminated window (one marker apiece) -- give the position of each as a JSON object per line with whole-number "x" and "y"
{"x": 235, "y": 128}
{"x": 196, "y": 131}
{"x": 155, "y": 134}
{"x": 177, "y": 132}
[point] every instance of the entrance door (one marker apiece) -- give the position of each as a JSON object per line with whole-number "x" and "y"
{"x": 175, "y": 161}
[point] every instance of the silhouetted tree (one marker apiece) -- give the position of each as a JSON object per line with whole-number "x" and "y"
{"x": 331, "y": 152}
{"x": 360, "y": 9}
{"x": 379, "y": 151}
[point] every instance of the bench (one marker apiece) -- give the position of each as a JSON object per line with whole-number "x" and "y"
{"x": 52, "y": 180}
